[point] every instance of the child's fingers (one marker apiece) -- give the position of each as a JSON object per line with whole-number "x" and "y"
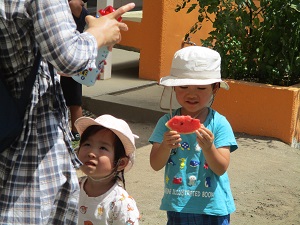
{"x": 198, "y": 134}
{"x": 204, "y": 131}
{"x": 172, "y": 138}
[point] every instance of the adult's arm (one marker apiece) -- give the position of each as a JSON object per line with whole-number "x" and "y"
{"x": 64, "y": 47}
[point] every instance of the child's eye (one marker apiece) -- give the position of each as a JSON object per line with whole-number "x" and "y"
{"x": 103, "y": 148}
{"x": 183, "y": 87}
{"x": 85, "y": 144}
{"x": 201, "y": 88}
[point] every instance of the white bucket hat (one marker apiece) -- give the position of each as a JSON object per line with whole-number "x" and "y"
{"x": 118, "y": 126}
{"x": 192, "y": 65}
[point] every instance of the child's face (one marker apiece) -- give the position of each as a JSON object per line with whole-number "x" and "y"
{"x": 97, "y": 154}
{"x": 194, "y": 97}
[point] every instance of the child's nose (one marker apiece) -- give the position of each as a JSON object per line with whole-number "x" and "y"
{"x": 91, "y": 154}
{"x": 192, "y": 94}
{"x": 192, "y": 90}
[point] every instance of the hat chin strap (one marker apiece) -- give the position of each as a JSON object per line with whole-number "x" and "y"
{"x": 112, "y": 174}
{"x": 171, "y": 98}
{"x": 211, "y": 101}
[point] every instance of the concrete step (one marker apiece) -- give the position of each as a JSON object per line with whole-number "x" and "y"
{"x": 140, "y": 104}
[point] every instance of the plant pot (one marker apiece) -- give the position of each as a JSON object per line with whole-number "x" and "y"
{"x": 261, "y": 109}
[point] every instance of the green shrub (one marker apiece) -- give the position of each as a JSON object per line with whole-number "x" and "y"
{"x": 257, "y": 44}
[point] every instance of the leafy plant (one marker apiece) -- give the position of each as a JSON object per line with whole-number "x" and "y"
{"x": 257, "y": 43}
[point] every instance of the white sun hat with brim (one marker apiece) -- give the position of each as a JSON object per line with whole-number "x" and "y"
{"x": 193, "y": 65}
{"x": 118, "y": 126}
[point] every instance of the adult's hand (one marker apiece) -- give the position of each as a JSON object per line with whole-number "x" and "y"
{"x": 106, "y": 29}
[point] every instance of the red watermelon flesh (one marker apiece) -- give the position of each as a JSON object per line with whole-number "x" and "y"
{"x": 183, "y": 124}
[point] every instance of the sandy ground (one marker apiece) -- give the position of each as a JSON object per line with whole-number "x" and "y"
{"x": 264, "y": 175}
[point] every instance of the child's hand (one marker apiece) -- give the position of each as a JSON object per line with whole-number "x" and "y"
{"x": 205, "y": 138}
{"x": 172, "y": 139}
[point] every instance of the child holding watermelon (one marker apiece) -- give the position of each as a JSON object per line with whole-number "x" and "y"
{"x": 197, "y": 188}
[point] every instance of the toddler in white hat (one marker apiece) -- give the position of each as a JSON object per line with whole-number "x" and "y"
{"x": 106, "y": 151}
{"x": 196, "y": 182}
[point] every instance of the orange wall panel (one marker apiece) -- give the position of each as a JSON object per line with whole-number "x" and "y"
{"x": 159, "y": 35}
{"x": 260, "y": 109}
{"x": 134, "y": 31}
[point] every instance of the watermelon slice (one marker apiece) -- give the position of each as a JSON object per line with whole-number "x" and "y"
{"x": 183, "y": 124}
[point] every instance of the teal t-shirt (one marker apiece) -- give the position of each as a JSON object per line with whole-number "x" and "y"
{"x": 190, "y": 185}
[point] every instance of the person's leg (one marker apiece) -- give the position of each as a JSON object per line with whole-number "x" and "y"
{"x": 73, "y": 96}
{"x": 214, "y": 220}
{"x": 75, "y": 112}
{"x": 178, "y": 218}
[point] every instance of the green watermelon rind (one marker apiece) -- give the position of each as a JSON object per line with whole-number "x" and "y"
{"x": 169, "y": 125}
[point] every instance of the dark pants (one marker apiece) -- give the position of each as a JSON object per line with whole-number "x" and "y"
{"x": 177, "y": 218}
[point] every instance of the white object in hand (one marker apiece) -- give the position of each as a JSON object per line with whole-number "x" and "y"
{"x": 88, "y": 76}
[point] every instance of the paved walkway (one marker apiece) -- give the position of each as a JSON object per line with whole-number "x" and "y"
{"x": 124, "y": 94}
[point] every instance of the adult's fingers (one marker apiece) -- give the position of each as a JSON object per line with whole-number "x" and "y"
{"x": 120, "y": 11}
{"x": 89, "y": 19}
{"x": 123, "y": 26}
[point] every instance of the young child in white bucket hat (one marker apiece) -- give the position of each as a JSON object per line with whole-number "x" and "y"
{"x": 197, "y": 188}
{"x": 106, "y": 151}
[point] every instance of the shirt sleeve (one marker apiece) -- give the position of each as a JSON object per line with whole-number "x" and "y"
{"x": 224, "y": 135}
{"x": 59, "y": 42}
